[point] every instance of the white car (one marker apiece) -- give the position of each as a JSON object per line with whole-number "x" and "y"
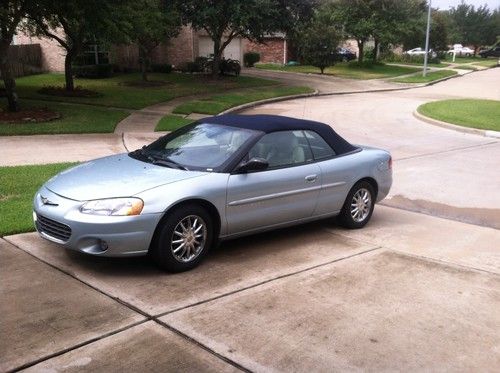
{"x": 419, "y": 52}
{"x": 461, "y": 51}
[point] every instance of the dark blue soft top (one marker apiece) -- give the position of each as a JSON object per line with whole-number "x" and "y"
{"x": 273, "y": 123}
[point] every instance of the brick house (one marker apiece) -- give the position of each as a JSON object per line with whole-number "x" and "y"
{"x": 188, "y": 45}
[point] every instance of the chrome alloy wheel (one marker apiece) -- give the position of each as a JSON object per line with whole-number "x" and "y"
{"x": 188, "y": 239}
{"x": 360, "y": 205}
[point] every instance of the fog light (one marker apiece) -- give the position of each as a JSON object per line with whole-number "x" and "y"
{"x": 104, "y": 245}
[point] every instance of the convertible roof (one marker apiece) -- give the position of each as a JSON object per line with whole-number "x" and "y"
{"x": 273, "y": 123}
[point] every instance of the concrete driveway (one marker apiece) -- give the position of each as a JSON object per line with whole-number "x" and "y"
{"x": 412, "y": 291}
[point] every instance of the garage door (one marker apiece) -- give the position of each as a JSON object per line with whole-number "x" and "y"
{"x": 233, "y": 50}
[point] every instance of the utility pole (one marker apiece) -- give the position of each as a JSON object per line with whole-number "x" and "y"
{"x": 424, "y": 73}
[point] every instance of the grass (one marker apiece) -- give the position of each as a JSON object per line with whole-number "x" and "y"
{"x": 487, "y": 62}
{"x": 482, "y": 114}
{"x": 430, "y": 77}
{"x": 74, "y": 119}
{"x": 351, "y": 70}
{"x": 18, "y": 185}
{"x": 218, "y": 103}
{"x": 172, "y": 122}
{"x": 115, "y": 92}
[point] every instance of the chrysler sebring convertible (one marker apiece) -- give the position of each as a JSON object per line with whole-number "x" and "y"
{"x": 216, "y": 179}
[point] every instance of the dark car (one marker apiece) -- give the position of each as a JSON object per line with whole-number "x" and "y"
{"x": 343, "y": 55}
{"x": 492, "y": 52}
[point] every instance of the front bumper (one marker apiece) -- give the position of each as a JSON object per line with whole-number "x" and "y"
{"x": 62, "y": 222}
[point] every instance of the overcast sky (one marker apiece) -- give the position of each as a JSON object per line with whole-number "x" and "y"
{"x": 445, "y": 4}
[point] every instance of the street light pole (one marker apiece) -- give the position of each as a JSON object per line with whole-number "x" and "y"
{"x": 424, "y": 73}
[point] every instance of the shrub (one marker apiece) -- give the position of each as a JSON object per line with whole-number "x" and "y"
{"x": 161, "y": 68}
{"x": 406, "y": 58}
{"x": 93, "y": 71}
{"x": 230, "y": 67}
{"x": 251, "y": 58}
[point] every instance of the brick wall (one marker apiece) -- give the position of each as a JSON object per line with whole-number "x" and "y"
{"x": 174, "y": 51}
{"x": 52, "y": 53}
{"x": 271, "y": 50}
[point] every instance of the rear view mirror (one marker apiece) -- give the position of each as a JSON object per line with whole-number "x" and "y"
{"x": 253, "y": 164}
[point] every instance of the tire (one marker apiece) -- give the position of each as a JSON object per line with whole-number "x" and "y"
{"x": 362, "y": 194}
{"x": 182, "y": 239}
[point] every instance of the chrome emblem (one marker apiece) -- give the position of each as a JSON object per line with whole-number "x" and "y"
{"x": 47, "y": 201}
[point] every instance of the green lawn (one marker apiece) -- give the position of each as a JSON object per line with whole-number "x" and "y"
{"x": 18, "y": 186}
{"x": 430, "y": 77}
{"x": 74, "y": 119}
{"x": 482, "y": 114}
{"x": 115, "y": 92}
{"x": 218, "y": 103}
{"x": 350, "y": 70}
{"x": 449, "y": 59}
{"x": 172, "y": 122}
{"x": 487, "y": 62}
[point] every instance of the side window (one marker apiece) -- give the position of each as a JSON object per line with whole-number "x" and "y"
{"x": 283, "y": 148}
{"x": 319, "y": 147}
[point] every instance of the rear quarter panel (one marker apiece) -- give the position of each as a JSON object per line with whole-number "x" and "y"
{"x": 340, "y": 174}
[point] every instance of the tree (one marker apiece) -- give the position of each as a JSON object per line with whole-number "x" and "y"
{"x": 12, "y": 13}
{"x": 473, "y": 26}
{"x": 440, "y": 25}
{"x": 393, "y": 19}
{"x": 320, "y": 40}
{"x": 223, "y": 20}
{"x": 355, "y": 17}
{"x": 81, "y": 21}
{"x": 152, "y": 22}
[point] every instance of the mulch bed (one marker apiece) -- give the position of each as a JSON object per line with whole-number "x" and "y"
{"x": 35, "y": 115}
{"x": 61, "y": 91}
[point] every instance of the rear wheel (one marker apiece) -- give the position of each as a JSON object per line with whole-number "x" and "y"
{"x": 358, "y": 206}
{"x": 183, "y": 239}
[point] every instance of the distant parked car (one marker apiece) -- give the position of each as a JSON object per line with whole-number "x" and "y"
{"x": 343, "y": 55}
{"x": 419, "y": 52}
{"x": 492, "y": 52}
{"x": 461, "y": 51}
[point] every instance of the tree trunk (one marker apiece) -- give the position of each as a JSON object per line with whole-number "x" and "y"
{"x": 68, "y": 72}
{"x": 375, "y": 51}
{"x": 144, "y": 64}
{"x": 361, "y": 47}
{"x": 8, "y": 80}
{"x": 217, "y": 58}
{"x": 322, "y": 68}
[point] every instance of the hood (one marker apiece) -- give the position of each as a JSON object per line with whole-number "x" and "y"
{"x": 114, "y": 176}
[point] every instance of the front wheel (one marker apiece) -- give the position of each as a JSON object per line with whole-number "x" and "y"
{"x": 358, "y": 206}
{"x": 183, "y": 239}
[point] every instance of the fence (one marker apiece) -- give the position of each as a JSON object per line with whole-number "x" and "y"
{"x": 25, "y": 59}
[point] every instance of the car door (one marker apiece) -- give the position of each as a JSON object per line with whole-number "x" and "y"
{"x": 285, "y": 192}
{"x": 336, "y": 172}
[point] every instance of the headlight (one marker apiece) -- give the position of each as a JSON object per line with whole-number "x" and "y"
{"x": 113, "y": 206}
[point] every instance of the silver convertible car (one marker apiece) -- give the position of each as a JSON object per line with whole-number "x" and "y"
{"x": 215, "y": 179}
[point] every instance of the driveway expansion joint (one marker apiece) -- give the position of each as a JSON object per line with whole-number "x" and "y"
{"x": 74, "y": 347}
{"x": 201, "y": 345}
{"x": 286, "y": 275}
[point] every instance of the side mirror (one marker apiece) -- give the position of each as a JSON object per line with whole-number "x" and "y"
{"x": 253, "y": 164}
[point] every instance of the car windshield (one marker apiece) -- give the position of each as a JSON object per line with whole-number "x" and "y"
{"x": 203, "y": 146}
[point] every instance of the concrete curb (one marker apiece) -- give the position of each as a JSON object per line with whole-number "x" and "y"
{"x": 439, "y": 123}
{"x": 267, "y": 101}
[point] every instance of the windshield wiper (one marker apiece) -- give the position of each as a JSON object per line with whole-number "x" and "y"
{"x": 169, "y": 163}
{"x": 160, "y": 160}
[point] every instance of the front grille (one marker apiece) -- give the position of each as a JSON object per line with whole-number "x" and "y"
{"x": 53, "y": 228}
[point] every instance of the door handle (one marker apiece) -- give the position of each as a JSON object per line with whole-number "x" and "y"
{"x": 311, "y": 178}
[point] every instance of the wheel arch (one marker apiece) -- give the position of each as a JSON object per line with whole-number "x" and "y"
{"x": 208, "y": 206}
{"x": 372, "y": 182}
